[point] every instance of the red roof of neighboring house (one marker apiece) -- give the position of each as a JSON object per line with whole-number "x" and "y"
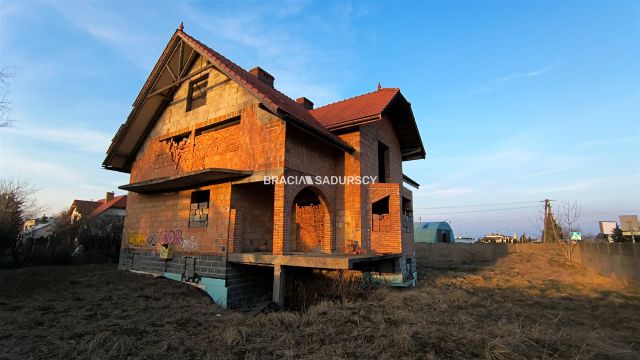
{"x": 84, "y": 207}
{"x": 118, "y": 202}
{"x": 356, "y": 108}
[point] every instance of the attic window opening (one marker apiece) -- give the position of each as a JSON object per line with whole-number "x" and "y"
{"x": 219, "y": 125}
{"x": 199, "y": 211}
{"x": 197, "y": 93}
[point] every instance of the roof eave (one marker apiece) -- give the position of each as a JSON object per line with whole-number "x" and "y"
{"x": 336, "y": 143}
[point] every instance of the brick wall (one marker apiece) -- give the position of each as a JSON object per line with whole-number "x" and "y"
{"x": 309, "y": 222}
{"x": 385, "y": 231}
{"x": 408, "y": 239}
{"x": 175, "y": 144}
{"x": 254, "y": 203}
{"x": 248, "y": 285}
{"x": 154, "y": 219}
{"x": 255, "y": 143}
{"x": 310, "y": 156}
{"x": 350, "y": 217}
{"x": 370, "y": 134}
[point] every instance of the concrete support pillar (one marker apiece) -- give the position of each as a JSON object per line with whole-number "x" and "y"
{"x": 278, "y": 284}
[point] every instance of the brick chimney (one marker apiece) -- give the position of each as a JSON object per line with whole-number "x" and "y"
{"x": 261, "y": 74}
{"x": 109, "y": 196}
{"x": 306, "y": 103}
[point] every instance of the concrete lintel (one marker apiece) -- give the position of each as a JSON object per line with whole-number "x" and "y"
{"x": 311, "y": 260}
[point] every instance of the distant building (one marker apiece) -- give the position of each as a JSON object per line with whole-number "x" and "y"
{"x": 497, "y": 238}
{"x": 629, "y": 225}
{"x": 465, "y": 239}
{"x": 606, "y": 229}
{"x": 433, "y": 232}
{"x": 111, "y": 205}
{"x": 96, "y": 225}
{"x": 38, "y": 228}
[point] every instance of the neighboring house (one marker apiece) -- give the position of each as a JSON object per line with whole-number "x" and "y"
{"x": 111, "y": 205}
{"x": 30, "y": 223}
{"x": 101, "y": 214}
{"x": 606, "y": 229}
{"x": 39, "y": 228}
{"x": 209, "y": 147}
{"x": 433, "y": 232}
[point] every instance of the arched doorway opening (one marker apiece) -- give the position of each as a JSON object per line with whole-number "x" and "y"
{"x": 310, "y": 223}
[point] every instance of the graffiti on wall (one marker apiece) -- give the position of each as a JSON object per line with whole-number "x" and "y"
{"x": 152, "y": 239}
{"x": 136, "y": 239}
{"x": 189, "y": 244}
{"x": 164, "y": 238}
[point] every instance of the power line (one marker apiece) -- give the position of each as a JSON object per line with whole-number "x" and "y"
{"x": 476, "y": 205}
{"x": 609, "y": 211}
{"x": 478, "y": 211}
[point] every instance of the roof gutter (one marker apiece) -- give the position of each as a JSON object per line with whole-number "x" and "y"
{"x": 362, "y": 120}
{"x": 410, "y": 181}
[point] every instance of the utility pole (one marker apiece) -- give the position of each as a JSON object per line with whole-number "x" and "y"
{"x": 547, "y": 223}
{"x": 546, "y": 215}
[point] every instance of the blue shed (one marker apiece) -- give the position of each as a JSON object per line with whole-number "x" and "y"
{"x": 433, "y": 232}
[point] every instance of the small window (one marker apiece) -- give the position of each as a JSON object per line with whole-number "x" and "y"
{"x": 199, "y": 212}
{"x": 384, "y": 175}
{"x": 379, "y": 212}
{"x": 407, "y": 215}
{"x": 381, "y": 207}
{"x": 197, "y": 93}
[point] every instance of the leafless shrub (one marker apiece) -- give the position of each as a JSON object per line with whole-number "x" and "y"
{"x": 17, "y": 203}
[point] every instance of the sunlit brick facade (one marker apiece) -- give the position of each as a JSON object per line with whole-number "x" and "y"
{"x": 202, "y": 137}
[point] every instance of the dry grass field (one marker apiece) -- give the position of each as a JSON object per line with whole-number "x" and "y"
{"x": 524, "y": 306}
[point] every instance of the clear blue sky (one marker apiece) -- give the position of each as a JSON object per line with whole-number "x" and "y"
{"x": 516, "y": 101}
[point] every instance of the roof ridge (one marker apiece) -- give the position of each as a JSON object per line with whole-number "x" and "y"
{"x": 357, "y": 96}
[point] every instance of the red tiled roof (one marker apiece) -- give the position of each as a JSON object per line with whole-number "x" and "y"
{"x": 85, "y": 207}
{"x": 355, "y": 108}
{"x": 118, "y": 202}
{"x": 272, "y": 98}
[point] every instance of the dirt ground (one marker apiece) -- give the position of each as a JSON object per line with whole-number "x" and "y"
{"x": 524, "y": 306}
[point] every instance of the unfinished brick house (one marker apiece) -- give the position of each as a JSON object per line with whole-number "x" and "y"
{"x": 202, "y": 137}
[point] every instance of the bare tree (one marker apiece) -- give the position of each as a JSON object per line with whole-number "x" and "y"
{"x": 568, "y": 214}
{"x": 17, "y": 204}
{"x": 5, "y": 104}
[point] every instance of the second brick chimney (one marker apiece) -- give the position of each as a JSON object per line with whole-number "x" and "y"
{"x": 306, "y": 103}
{"x": 261, "y": 74}
{"x": 109, "y": 196}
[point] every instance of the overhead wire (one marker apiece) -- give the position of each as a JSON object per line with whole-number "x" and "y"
{"x": 476, "y": 211}
{"x": 477, "y": 205}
